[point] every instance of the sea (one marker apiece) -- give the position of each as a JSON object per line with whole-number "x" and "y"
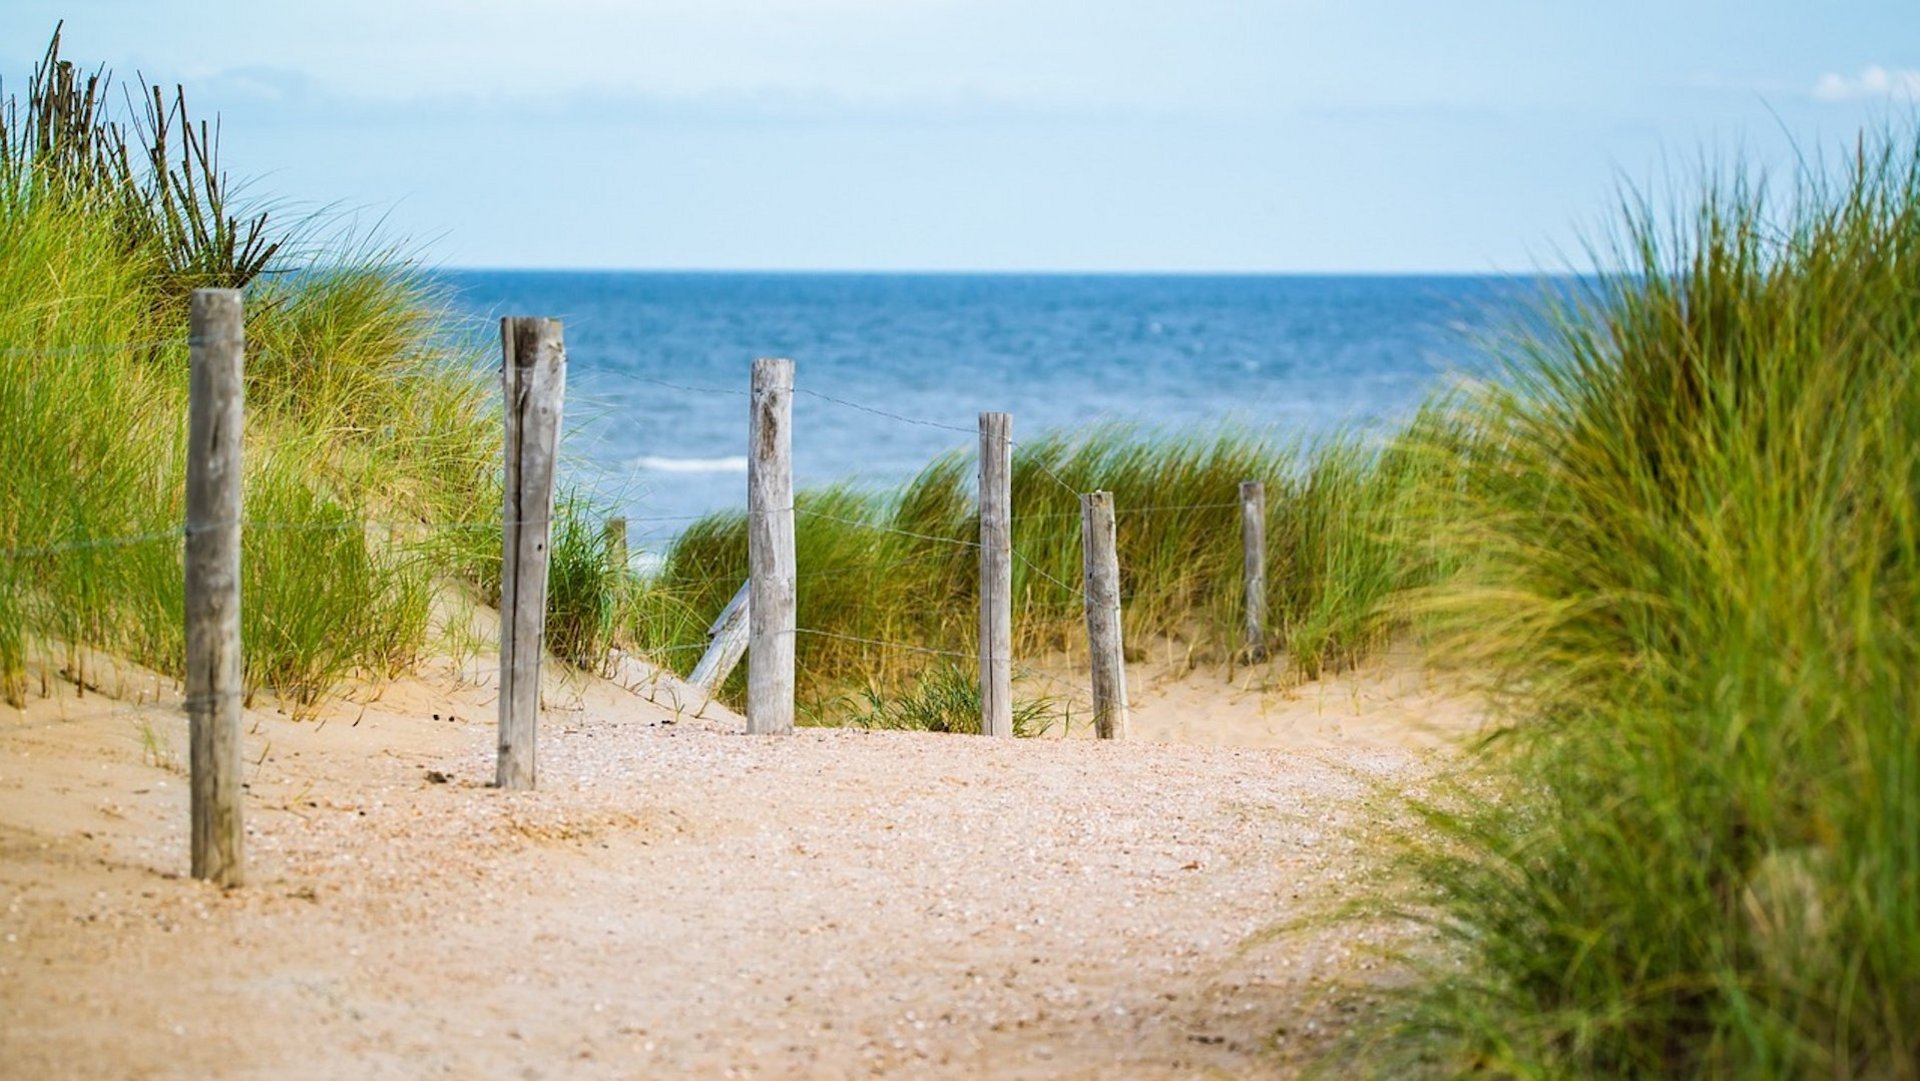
{"x": 892, "y": 370}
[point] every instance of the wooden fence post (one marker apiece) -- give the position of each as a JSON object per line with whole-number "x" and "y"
{"x": 726, "y": 642}
{"x": 1253, "y": 542}
{"x": 770, "y": 556}
{"x": 617, "y": 553}
{"x": 534, "y": 378}
{"x": 996, "y": 574}
{"x": 1104, "y": 653}
{"x": 215, "y": 427}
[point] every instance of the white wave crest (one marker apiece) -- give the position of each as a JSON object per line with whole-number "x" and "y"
{"x": 735, "y": 464}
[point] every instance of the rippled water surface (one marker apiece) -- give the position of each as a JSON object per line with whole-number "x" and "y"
{"x": 1293, "y": 355}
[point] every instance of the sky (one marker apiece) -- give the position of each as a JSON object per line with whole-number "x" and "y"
{"x": 1306, "y": 136}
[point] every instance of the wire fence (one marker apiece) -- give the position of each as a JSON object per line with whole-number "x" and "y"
{"x": 94, "y": 348}
{"x": 680, "y": 576}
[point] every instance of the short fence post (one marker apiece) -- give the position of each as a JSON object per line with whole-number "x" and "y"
{"x": 1253, "y": 542}
{"x": 1104, "y": 652}
{"x": 215, "y": 427}
{"x": 996, "y": 574}
{"x": 616, "y": 536}
{"x": 534, "y": 378}
{"x": 770, "y": 555}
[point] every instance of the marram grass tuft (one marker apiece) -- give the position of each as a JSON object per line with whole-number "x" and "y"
{"x": 1688, "y": 558}
{"x": 369, "y": 437}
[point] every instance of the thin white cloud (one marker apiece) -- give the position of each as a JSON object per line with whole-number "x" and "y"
{"x": 1873, "y": 82}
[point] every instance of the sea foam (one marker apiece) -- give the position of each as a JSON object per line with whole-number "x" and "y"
{"x": 734, "y": 464}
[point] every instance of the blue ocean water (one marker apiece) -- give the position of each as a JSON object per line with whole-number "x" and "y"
{"x": 1299, "y": 356}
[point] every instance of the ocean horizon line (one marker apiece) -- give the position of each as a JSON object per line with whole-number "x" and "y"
{"x": 1197, "y": 275}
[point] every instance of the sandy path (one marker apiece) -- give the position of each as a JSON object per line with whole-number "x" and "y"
{"x": 677, "y": 900}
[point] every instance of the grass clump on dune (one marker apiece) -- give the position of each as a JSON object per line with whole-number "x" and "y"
{"x": 880, "y": 570}
{"x": 1691, "y": 560}
{"x": 367, "y": 435}
{"x": 947, "y": 699}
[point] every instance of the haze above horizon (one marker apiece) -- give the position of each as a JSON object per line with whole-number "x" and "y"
{"x": 1229, "y": 136}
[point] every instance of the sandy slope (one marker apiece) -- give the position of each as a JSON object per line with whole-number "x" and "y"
{"x": 682, "y": 900}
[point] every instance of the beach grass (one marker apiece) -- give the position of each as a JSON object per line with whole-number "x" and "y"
{"x": 1679, "y": 543}
{"x": 1688, "y": 563}
{"x": 887, "y": 587}
{"x": 369, "y": 435}
{"x": 946, "y": 699}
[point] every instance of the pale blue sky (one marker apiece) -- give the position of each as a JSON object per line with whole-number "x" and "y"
{"x": 1231, "y": 135}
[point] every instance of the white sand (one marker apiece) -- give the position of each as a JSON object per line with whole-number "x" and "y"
{"x": 682, "y": 900}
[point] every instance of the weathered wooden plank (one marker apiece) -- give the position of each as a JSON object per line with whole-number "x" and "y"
{"x": 996, "y": 574}
{"x": 726, "y": 642}
{"x": 215, "y": 429}
{"x": 534, "y": 378}
{"x": 1105, "y": 654}
{"x": 770, "y": 553}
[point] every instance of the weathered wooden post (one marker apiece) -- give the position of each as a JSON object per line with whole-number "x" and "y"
{"x": 215, "y": 426}
{"x": 618, "y": 556}
{"x": 534, "y": 377}
{"x": 1253, "y": 543}
{"x": 1104, "y": 653}
{"x": 770, "y": 600}
{"x": 996, "y": 574}
{"x": 726, "y": 643}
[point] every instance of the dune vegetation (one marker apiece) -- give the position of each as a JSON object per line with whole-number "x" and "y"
{"x": 369, "y": 438}
{"x": 1687, "y": 564}
{"x": 883, "y": 570}
{"x": 1678, "y": 543}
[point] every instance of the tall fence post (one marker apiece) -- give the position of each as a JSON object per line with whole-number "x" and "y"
{"x": 215, "y": 427}
{"x": 996, "y": 574}
{"x": 770, "y": 603}
{"x": 1253, "y": 542}
{"x": 1104, "y": 652}
{"x": 534, "y": 378}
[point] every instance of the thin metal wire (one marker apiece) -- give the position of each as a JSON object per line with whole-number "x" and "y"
{"x": 402, "y": 523}
{"x": 1047, "y": 473}
{"x": 883, "y": 413}
{"x": 1077, "y": 591}
{"x": 735, "y": 392}
{"x": 85, "y": 545}
{"x": 194, "y": 529}
{"x": 1129, "y": 510}
{"x": 102, "y": 347}
{"x": 57, "y": 548}
{"x": 824, "y": 572}
{"x": 859, "y": 568}
{"x": 886, "y": 529}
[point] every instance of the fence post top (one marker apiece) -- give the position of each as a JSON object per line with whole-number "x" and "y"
{"x": 773, "y": 371}
{"x": 533, "y": 341}
{"x": 541, "y": 321}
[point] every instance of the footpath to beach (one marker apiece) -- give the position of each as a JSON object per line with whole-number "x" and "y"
{"x": 679, "y": 899}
